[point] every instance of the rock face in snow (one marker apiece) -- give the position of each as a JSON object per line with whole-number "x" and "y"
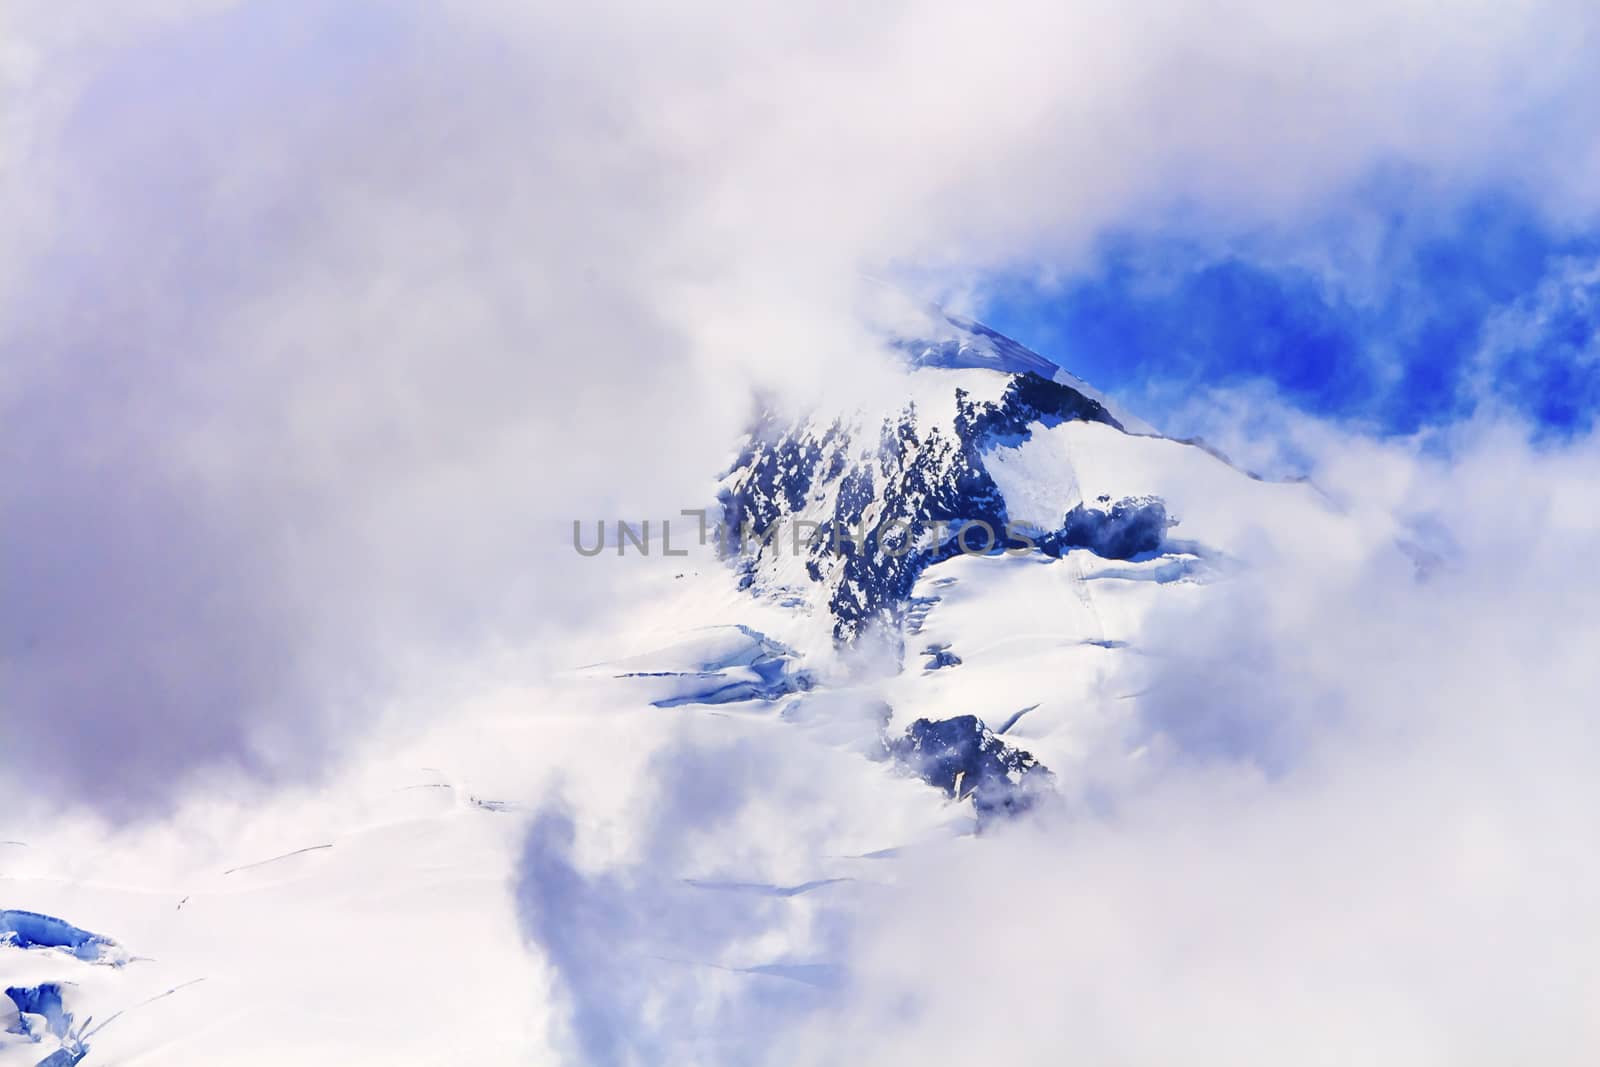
{"x": 1128, "y": 529}
{"x": 866, "y": 513}
{"x": 964, "y": 758}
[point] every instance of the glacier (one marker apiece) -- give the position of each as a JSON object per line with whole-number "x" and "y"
{"x": 30, "y": 929}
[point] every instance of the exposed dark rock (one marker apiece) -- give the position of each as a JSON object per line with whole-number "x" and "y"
{"x": 964, "y": 758}
{"x": 1132, "y": 527}
{"x": 915, "y": 480}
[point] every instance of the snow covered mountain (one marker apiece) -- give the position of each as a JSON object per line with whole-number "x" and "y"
{"x": 933, "y": 610}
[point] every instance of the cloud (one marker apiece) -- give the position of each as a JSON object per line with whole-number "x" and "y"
{"x": 321, "y": 320}
{"x": 1542, "y": 350}
{"x": 700, "y": 924}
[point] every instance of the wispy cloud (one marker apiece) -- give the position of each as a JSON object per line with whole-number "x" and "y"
{"x": 704, "y": 925}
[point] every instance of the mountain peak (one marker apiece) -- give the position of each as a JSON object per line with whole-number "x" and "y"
{"x": 944, "y": 340}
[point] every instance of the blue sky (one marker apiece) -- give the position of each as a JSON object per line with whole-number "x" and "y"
{"x": 1389, "y": 308}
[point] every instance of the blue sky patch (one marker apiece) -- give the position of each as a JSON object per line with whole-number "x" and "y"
{"x": 1391, "y": 309}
